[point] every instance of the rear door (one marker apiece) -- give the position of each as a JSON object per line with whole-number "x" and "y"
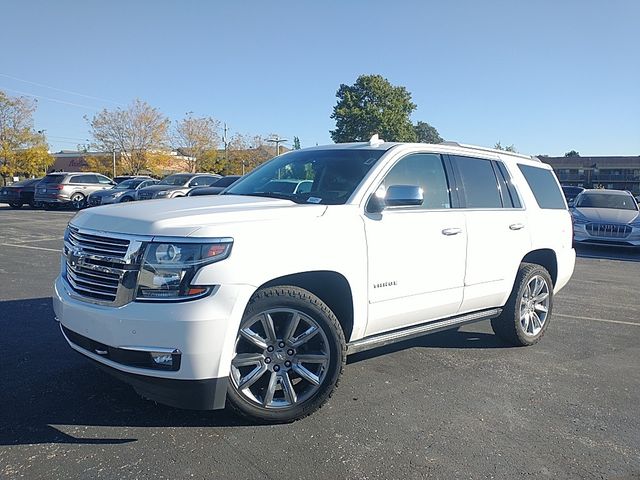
{"x": 497, "y": 229}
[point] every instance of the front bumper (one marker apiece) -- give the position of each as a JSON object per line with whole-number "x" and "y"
{"x": 203, "y": 331}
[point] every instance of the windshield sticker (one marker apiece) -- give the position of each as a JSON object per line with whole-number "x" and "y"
{"x": 314, "y": 200}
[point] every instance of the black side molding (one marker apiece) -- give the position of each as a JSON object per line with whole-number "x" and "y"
{"x": 386, "y": 338}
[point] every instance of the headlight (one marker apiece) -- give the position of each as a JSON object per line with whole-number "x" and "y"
{"x": 117, "y": 194}
{"x": 168, "y": 268}
{"x": 162, "y": 193}
{"x": 580, "y": 221}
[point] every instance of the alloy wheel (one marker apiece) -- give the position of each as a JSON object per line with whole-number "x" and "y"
{"x": 281, "y": 358}
{"x": 534, "y": 305}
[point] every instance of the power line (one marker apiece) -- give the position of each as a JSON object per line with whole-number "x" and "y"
{"x": 70, "y": 92}
{"x": 49, "y": 98}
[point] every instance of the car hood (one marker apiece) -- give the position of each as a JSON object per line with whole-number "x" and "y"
{"x": 185, "y": 216}
{"x": 608, "y": 215}
{"x": 159, "y": 188}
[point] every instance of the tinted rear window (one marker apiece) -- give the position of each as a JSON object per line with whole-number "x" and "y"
{"x": 53, "y": 179}
{"x": 544, "y": 186}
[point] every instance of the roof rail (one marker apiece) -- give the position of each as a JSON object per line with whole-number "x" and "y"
{"x": 486, "y": 149}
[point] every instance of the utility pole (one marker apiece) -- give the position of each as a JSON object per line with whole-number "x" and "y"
{"x": 277, "y": 140}
{"x": 226, "y": 144}
{"x": 114, "y": 162}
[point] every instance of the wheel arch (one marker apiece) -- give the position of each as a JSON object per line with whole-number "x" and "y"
{"x": 329, "y": 286}
{"x": 546, "y": 258}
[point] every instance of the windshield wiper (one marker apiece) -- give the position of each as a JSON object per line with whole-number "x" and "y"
{"x": 281, "y": 196}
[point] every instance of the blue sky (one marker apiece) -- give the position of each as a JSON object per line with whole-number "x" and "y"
{"x": 547, "y": 76}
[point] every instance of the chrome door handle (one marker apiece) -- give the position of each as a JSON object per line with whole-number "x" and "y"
{"x": 451, "y": 231}
{"x": 516, "y": 226}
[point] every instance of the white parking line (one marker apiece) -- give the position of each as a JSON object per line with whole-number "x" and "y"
{"x": 28, "y": 246}
{"x": 597, "y": 319}
{"x": 49, "y": 239}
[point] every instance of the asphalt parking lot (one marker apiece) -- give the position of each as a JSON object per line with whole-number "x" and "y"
{"x": 456, "y": 404}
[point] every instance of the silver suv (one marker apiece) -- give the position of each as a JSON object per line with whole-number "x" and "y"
{"x": 63, "y": 188}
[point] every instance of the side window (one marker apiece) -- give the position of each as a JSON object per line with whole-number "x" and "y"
{"x": 83, "y": 179}
{"x": 511, "y": 190}
{"x": 479, "y": 185}
{"x": 426, "y": 171}
{"x": 544, "y": 186}
{"x": 103, "y": 180}
{"x": 207, "y": 180}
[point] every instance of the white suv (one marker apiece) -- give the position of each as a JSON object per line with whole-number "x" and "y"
{"x": 255, "y": 297}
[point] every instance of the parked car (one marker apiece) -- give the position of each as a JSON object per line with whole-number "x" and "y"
{"x": 606, "y": 217}
{"x": 177, "y": 185}
{"x": 124, "y": 191}
{"x": 256, "y": 299}
{"x": 216, "y": 188}
{"x": 20, "y": 193}
{"x": 69, "y": 188}
{"x": 571, "y": 192}
{"x": 122, "y": 178}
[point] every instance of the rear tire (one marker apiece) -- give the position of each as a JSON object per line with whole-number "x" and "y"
{"x": 78, "y": 201}
{"x": 288, "y": 357}
{"x": 527, "y": 313}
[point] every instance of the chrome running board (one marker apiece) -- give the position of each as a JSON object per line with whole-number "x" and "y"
{"x": 386, "y": 338}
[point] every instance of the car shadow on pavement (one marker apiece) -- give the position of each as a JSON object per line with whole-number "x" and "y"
{"x": 50, "y": 393}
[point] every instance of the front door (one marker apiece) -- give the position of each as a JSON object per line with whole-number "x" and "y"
{"x": 416, "y": 254}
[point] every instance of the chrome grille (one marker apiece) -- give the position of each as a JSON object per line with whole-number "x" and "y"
{"x": 608, "y": 230}
{"x": 98, "y": 245}
{"x": 101, "y": 268}
{"x": 99, "y": 284}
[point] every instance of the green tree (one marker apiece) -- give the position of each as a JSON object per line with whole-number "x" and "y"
{"x": 426, "y": 133}
{"x": 296, "y": 143}
{"x": 510, "y": 148}
{"x": 572, "y": 153}
{"x": 373, "y": 105}
{"x": 22, "y": 150}
{"x": 135, "y": 132}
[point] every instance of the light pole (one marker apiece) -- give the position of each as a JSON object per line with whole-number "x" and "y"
{"x": 277, "y": 140}
{"x": 114, "y": 161}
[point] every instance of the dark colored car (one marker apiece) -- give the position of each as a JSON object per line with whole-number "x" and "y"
{"x": 124, "y": 191}
{"x": 63, "y": 188}
{"x": 177, "y": 185}
{"x": 20, "y": 193}
{"x": 570, "y": 193}
{"x": 216, "y": 188}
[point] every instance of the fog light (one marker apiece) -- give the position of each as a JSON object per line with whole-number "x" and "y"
{"x": 164, "y": 359}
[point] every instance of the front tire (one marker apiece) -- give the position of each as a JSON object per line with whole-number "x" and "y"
{"x": 526, "y": 316}
{"x": 15, "y": 205}
{"x": 288, "y": 356}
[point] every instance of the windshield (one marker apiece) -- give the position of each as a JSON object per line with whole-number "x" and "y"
{"x": 176, "y": 180}
{"x": 128, "y": 184}
{"x": 309, "y": 176}
{"x": 603, "y": 200}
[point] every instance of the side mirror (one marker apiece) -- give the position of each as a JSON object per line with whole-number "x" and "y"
{"x": 396, "y": 196}
{"x": 403, "y": 195}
